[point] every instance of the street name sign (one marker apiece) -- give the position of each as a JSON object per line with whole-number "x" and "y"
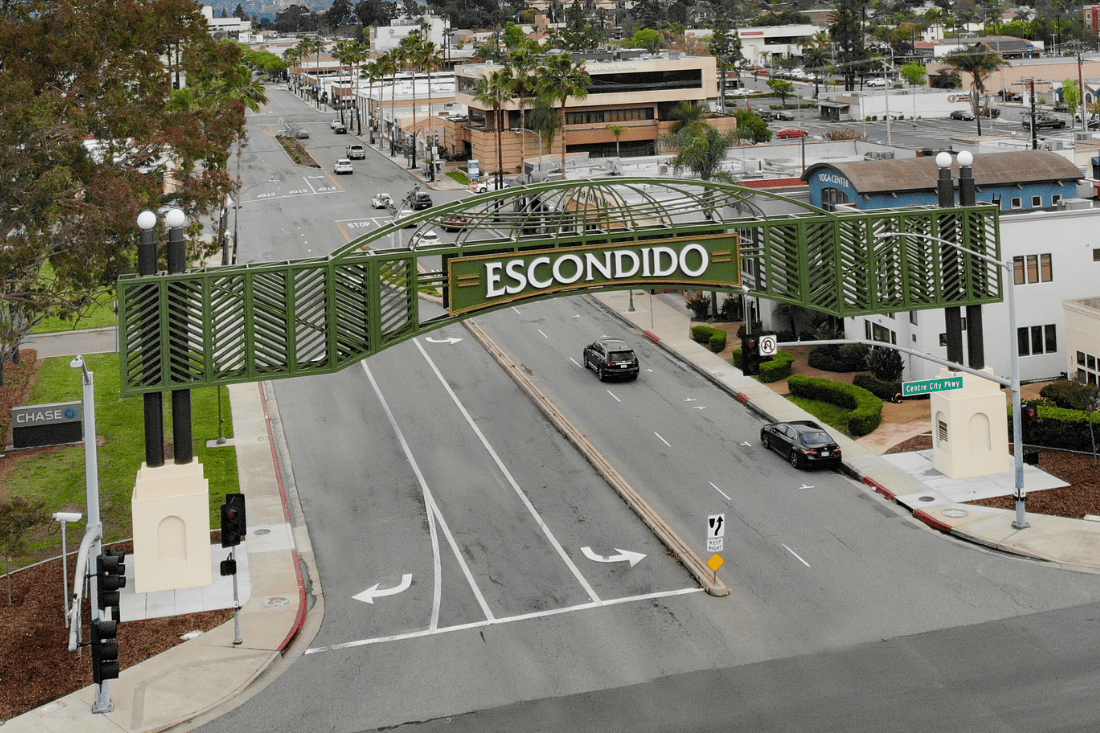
{"x": 928, "y": 386}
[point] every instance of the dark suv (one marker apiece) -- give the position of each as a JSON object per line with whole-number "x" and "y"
{"x": 1044, "y": 120}
{"x": 611, "y": 358}
{"x": 421, "y": 200}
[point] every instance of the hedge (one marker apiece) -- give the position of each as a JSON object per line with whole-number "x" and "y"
{"x": 778, "y": 367}
{"x": 834, "y": 358}
{"x": 714, "y": 338}
{"x": 1058, "y": 427}
{"x": 883, "y": 390}
{"x": 866, "y": 409}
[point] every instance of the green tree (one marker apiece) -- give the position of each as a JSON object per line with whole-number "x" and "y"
{"x": 560, "y": 80}
{"x": 980, "y": 63}
{"x": 700, "y": 149}
{"x": 87, "y": 140}
{"x": 19, "y": 517}
{"x": 523, "y": 62}
{"x": 687, "y": 115}
{"x": 546, "y": 121}
{"x": 886, "y": 364}
{"x": 618, "y": 131}
{"x": 782, "y": 88}
{"x": 752, "y": 127}
{"x": 1071, "y": 94}
{"x": 647, "y": 38}
{"x": 725, "y": 46}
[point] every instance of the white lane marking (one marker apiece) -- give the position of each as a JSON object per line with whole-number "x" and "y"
{"x": 719, "y": 490}
{"x": 576, "y": 362}
{"x": 543, "y": 334}
{"x": 699, "y": 407}
{"x": 804, "y": 487}
{"x": 511, "y": 481}
{"x": 796, "y": 555}
{"x": 613, "y": 395}
{"x": 690, "y": 399}
{"x": 624, "y": 556}
{"x": 516, "y": 309}
{"x": 429, "y": 502}
{"x": 450, "y": 340}
{"x": 507, "y": 620}
{"x": 663, "y": 440}
{"x": 371, "y": 593}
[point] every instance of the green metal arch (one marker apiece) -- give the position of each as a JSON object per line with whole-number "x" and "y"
{"x": 284, "y": 319}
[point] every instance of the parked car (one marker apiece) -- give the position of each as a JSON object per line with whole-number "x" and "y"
{"x": 792, "y": 132}
{"x": 962, "y": 114}
{"x": 340, "y": 130}
{"x": 803, "y": 442}
{"x": 783, "y": 115}
{"x": 1094, "y": 120}
{"x": 1010, "y": 96}
{"x": 875, "y": 81}
{"x": 454, "y": 223}
{"x": 1044, "y": 119}
{"x": 421, "y": 200}
{"x": 343, "y": 165}
{"x": 332, "y": 125}
{"x": 405, "y": 215}
{"x": 1061, "y": 106}
{"x": 355, "y": 151}
{"x": 426, "y": 239}
{"x": 301, "y": 134}
{"x": 611, "y": 358}
{"x": 381, "y": 201}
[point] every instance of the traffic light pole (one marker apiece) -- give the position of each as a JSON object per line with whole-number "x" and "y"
{"x": 236, "y": 603}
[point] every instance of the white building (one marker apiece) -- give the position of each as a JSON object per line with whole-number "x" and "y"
{"x": 385, "y": 38}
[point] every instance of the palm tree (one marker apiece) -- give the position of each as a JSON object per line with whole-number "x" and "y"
{"x": 291, "y": 57}
{"x": 687, "y": 115}
{"x": 617, "y": 131}
{"x": 393, "y": 64}
{"x": 980, "y": 63}
{"x": 313, "y": 46}
{"x": 816, "y": 57}
{"x": 410, "y": 54}
{"x": 358, "y": 52}
{"x": 494, "y": 90}
{"x": 431, "y": 59}
{"x": 523, "y": 62}
{"x": 560, "y": 80}
{"x": 375, "y": 69}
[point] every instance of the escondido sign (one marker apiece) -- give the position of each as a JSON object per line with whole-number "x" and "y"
{"x": 487, "y": 281}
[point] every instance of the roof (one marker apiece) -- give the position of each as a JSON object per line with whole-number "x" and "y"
{"x": 921, "y": 174}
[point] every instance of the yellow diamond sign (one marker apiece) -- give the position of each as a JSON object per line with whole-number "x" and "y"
{"x": 715, "y": 562}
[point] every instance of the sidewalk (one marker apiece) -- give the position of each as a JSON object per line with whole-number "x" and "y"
{"x": 909, "y": 479}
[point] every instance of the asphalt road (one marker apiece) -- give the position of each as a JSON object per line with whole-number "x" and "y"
{"x": 426, "y": 461}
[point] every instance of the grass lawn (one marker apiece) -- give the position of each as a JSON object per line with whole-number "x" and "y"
{"x": 58, "y": 476}
{"x": 460, "y": 177}
{"x": 825, "y": 412}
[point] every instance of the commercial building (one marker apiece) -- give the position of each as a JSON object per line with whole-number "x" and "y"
{"x": 632, "y": 93}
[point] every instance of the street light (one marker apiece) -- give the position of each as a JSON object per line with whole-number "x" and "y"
{"x": 520, "y": 131}
{"x": 1014, "y": 384}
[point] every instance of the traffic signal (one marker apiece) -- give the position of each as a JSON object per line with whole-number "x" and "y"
{"x": 233, "y": 520}
{"x": 1030, "y": 414}
{"x": 110, "y": 570}
{"x": 104, "y": 651}
{"x": 750, "y": 355}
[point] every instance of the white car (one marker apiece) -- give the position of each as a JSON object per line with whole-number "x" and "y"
{"x": 877, "y": 81}
{"x": 343, "y": 165}
{"x": 381, "y": 201}
{"x": 427, "y": 239}
{"x": 334, "y": 124}
{"x": 403, "y": 215}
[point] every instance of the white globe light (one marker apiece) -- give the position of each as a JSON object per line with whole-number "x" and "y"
{"x": 966, "y": 158}
{"x": 943, "y": 160}
{"x": 175, "y": 218}
{"x": 147, "y": 220}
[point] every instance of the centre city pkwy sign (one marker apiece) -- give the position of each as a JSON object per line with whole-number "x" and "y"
{"x": 480, "y": 282}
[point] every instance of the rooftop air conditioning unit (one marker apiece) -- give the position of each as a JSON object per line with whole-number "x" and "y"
{"x": 1075, "y": 204}
{"x": 1083, "y": 136}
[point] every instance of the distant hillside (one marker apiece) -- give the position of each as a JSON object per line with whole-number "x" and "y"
{"x": 266, "y": 8}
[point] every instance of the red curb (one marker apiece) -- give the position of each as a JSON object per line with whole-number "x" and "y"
{"x": 300, "y": 620}
{"x": 931, "y": 521}
{"x": 880, "y": 488}
{"x": 653, "y": 337}
{"x": 743, "y": 398}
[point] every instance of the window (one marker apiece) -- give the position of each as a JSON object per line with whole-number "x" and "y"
{"x": 1033, "y": 269}
{"x": 1096, "y": 255}
{"x": 1036, "y": 202}
{"x": 883, "y": 334}
{"x": 1089, "y": 374}
{"x": 1016, "y": 203}
{"x": 913, "y": 317}
{"x": 1055, "y": 199}
{"x": 1035, "y": 340}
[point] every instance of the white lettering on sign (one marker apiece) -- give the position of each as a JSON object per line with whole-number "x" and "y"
{"x": 610, "y": 67}
{"x": 513, "y": 276}
{"x": 27, "y": 415}
{"x": 834, "y": 178}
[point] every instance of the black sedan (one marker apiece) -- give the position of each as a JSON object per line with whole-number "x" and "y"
{"x": 962, "y": 114}
{"x": 611, "y": 358}
{"x": 803, "y": 442}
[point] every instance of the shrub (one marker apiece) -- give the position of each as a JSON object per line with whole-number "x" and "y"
{"x": 714, "y": 338}
{"x": 866, "y": 409}
{"x": 883, "y": 390}
{"x": 835, "y": 358}
{"x": 731, "y": 308}
{"x": 778, "y": 367}
{"x": 1065, "y": 393}
{"x": 886, "y": 364}
{"x": 699, "y": 305}
{"x": 1060, "y": 428}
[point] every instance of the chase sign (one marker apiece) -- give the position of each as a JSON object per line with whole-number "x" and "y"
{"x": 492, "y": 280}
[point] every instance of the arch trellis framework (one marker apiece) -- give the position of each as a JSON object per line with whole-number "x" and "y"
{"x": 286, "y": 319}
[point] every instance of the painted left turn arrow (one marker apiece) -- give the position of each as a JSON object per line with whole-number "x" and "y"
{"x": 449, "y": 340}
{"x": 371, "y": 593}
{"x": 624, "y": 556}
